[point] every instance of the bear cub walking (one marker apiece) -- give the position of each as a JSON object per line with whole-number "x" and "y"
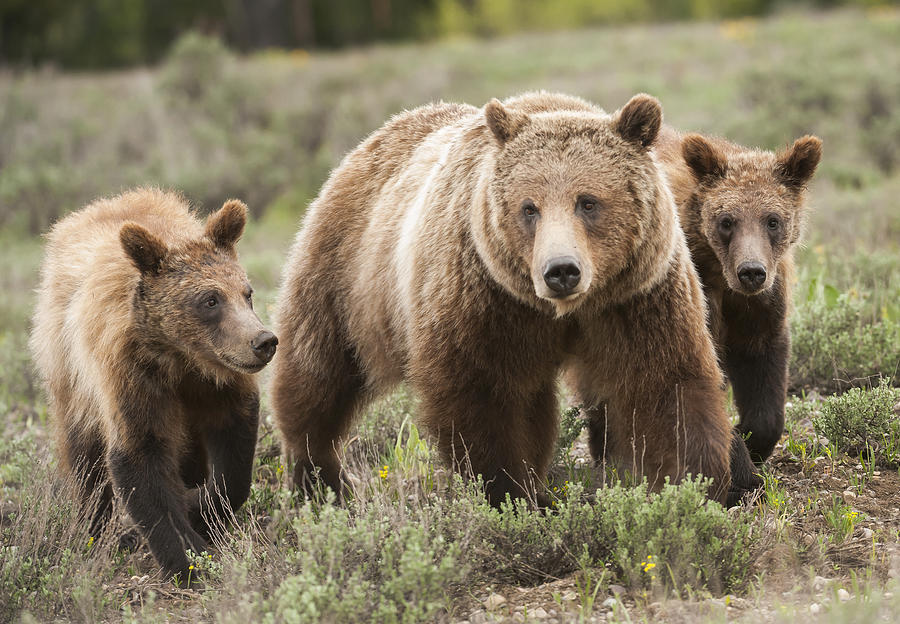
{"x": 146, "y": 340}
{"x": 477, "y": 254}
{"x": 742, "y": 212}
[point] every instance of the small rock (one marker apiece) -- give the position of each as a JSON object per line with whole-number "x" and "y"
{"x": 609, "y": 603}
{"x": 494, "y": 601}
{"x": 876, "y": 473}
{"x": 848, "y": 495}
{"x": 820, "y": 583}
{"x": 569, "y": 596}
{"x": 478, "y": 617}
{"x": 617, "y": 589}
{"x": 888, "y": 595}
{"x": 814, "y": 608}
{"x": 518, "y": 617}
{"x": 539, "y": 614}
{"x": 896, "y": 409}
{"x": 867, "y": 533}
{"x": 843, "y": 595}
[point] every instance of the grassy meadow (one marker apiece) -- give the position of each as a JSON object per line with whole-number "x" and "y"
{"x": 417, "y": 544}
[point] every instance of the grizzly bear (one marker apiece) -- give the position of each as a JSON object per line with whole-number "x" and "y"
{"x": 146, "y": 340}
{"x": 742, "y": 212}
{"x": 478, "y": 253}
{"x": 744, "y": 477}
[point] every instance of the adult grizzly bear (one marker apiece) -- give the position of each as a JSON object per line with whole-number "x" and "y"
{"x": 476, "y": 253}
{"x": 742, "y": 212}
{"x": 145, "y": 338}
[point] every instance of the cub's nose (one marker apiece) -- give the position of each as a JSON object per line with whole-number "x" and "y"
{"x": 562, "y": 275}
{"x": 264, "y": 346}
{"x": 751, "y": 274}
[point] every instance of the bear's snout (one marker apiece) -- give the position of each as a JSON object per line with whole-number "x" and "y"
{"x": 562, "y": 275}
{"x": 264, "y": 346}
{"x": 752, "y": 275}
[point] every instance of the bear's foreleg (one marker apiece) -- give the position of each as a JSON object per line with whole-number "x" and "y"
{"x": 144, "y": 465}
{"x": 231, "y": 449}
{"x": 84, "y": 452}
{"x": 757, "y": 346}
{"x": 509, "y": 440}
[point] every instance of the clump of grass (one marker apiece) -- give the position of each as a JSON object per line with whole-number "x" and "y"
{"x": 691, "y": 541}
{"x": 50, "y": 565}
{"x": 835, "y": 345}
{"x": 861, "y": 422}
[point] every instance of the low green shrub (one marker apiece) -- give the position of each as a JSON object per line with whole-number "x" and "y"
{"x": 862, "y": 421}
{"x": 836, "y": 345}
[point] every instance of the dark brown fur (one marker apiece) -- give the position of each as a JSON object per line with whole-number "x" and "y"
{"x": 742, "y": 208}
{"x": 419, "y": 261}
{"x": 145, "y": 338}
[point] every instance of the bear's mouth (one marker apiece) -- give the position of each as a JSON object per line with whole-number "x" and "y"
{"x": 241, "y": 366}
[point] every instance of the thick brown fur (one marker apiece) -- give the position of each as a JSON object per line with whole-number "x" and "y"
{"x": 743, "y": 209}
{"x": 425, "y": 258}
{"x": 149, "y": 380}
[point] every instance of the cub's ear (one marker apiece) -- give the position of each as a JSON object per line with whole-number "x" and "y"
{"x": 144, "y": 249}
{"x": 639, "y": 120}
{"x": 796, "y": 166}
{"x": 225, "y": 226}
{"x": 504, "y": 123}
{"x": 706, "y": 162}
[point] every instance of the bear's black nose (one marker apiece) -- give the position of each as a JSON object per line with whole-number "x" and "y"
{"x": 562, "y": 274}
{"x": 751, "y": 274}
{"x": 264, "y": 346}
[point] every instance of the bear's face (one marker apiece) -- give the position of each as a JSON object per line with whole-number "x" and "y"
{"x": 749, "y": 205}
{"x": 569, "y": 195}
{"x": 196, "y": 298}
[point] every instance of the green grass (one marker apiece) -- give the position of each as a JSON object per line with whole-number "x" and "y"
{"x": 415, "y": 543}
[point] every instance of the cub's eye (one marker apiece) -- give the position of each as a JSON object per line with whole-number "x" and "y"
{"x": 726, "y": 223}
{"x": 211, "y": 301}
{"x": 529, "y": 209}
{"x": 773, "y": 223}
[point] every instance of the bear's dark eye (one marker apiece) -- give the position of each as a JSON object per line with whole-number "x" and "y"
{"x": 726, "y": 224}
{"x": 211, "y": 302}
{"x": 773, "y": 223}
{"x": 587, "y": 204}
{"x": 529, "y": 209}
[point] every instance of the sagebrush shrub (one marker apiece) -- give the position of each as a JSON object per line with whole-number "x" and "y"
{"x": 862, "y": 421}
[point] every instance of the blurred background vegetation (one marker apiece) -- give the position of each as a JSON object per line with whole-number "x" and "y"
{"x": 114, "y": 33}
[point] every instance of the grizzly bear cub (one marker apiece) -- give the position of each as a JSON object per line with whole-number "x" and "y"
{"x": 477, "y": 254}
{"x": 742, "y": 212}
{"x": 146, "y": 340}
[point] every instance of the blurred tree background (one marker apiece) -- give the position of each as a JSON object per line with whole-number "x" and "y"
{"x": 93, "y": 34}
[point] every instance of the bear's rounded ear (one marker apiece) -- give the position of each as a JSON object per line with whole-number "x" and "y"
{"x": 639, "y": 120}
{"x": 504, "y": 123}
{"x": 225, "y": 226}
{"x": 796, "y": 166}
{"x": 145, "y": 250}
{"x": 706, "y": 162}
